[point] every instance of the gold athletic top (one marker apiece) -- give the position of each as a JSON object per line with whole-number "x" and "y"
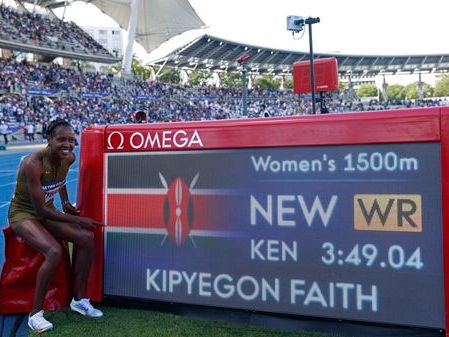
{"x": 53, "y": 178}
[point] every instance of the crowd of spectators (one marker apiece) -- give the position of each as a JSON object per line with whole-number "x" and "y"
{"x": 347, "y": 101}
{"x": 43, "y": 31}
{"x": 34, "y": 94}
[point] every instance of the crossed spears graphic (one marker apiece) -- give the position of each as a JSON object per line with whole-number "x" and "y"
{"x": 178, "y": 210}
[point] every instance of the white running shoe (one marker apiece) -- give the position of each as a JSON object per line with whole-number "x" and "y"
{"x": 38, "y": 323}
{"x": 84, "y": 307}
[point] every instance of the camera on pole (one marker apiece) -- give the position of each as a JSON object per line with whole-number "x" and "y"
{"x": 295, "y": 24}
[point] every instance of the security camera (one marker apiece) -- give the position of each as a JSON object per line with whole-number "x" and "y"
{"x": 140, "y": 116}
{"x": 295, "y": 23}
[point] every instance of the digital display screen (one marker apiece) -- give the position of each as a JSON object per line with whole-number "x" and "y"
{"x": 348, "y": 231}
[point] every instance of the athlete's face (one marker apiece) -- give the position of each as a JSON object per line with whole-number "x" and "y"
{"x": 62, "y": 142}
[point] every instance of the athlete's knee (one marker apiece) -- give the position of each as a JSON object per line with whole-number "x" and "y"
{"x": 53, "y": 254}
{"x": 86, "y": 239}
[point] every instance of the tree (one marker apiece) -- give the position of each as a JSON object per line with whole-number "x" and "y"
{"x": 139, "y": 70}
{"x": 267, "y": 82}
{"x": 442, "y": 86}
{"x": 107, "y": 69}
{"x": 411, "y": 90}
{"x": 115, "y": 69}
{"x": 170, "y": 75}
{"x": 428, "y": 90}
{"x": 396, "y": 92}
{"x": 288, "y": 83}
{"x": 342, "y": 86}
{"x": 367, "y": 90}
{"x": 231, "y": 80}
{"x": 199, "y": 77}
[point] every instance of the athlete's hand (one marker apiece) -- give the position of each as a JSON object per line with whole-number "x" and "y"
{"x": 70, "y": 209}
{"x": 88, "y": 223}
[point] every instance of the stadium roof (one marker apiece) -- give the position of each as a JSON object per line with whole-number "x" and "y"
{"x": 209, "y": 52}
{"x": 157, "y": 21}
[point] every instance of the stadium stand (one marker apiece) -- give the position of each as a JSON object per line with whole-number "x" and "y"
{"x": 35, "y": 93}
{"x": 41, "y": 34}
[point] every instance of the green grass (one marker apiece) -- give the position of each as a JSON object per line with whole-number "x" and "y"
{"x": 146, "y": 323}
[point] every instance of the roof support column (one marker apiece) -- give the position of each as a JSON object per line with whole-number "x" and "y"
{"x": 282, "y": 84}
{"x": 420, "y": 87}
{"x": 351, "y": 90}
{"x": 63, "y": 13}
{"x": 244, "y": 90}
{"x": 385, "y": 90}
{"x": 128, "y": 58}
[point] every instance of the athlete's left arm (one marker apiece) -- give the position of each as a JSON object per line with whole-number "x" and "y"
{"x": 67, "y": 207}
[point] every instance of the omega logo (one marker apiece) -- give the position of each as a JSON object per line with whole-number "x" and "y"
{"x": 156, "y": 140}
{"x": 121, "y": 139}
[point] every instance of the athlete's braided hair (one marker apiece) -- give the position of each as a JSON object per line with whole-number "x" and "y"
{"x": 54, "y": 124}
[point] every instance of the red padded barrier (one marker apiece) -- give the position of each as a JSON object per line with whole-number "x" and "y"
{"x": 90, "y": 199}
{"x": 18, "y": 278}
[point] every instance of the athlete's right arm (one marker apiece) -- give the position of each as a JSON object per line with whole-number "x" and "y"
{"x": 32, "y": 167}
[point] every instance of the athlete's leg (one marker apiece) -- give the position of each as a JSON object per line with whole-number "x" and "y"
{"x": 84, "y": 251}
{"x": 38, "y": 238}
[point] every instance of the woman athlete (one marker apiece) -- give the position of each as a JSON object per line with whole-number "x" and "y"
{"x": 34, "y": 218}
